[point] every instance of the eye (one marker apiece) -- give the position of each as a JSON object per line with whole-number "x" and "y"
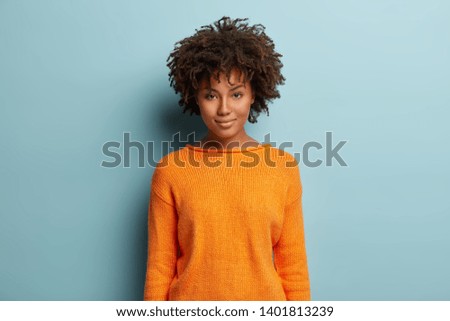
{"x": 237, "y": 95}
{"x": 209, "y": 96}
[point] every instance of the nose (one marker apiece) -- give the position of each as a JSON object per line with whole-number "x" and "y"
{"x": 223, "y": 109}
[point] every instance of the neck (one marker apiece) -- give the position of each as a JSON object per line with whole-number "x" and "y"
{"x": 227, "y": 143}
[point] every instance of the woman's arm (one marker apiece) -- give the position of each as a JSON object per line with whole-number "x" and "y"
{"x": 290, "y": 251}
{"x": 290, "y": 255}
{"x": 162, "y": 246}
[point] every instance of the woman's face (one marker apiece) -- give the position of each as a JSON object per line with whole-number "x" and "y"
{"x": 225, "y": 108}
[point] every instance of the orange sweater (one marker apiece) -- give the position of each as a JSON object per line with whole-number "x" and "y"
{"x": 226, "y": 225}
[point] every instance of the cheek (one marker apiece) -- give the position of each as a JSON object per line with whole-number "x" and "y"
{"x": 244, "y": 108}
{"x": 206, "y": 113}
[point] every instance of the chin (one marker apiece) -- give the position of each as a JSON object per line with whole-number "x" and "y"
{"x": 219, "y": 136}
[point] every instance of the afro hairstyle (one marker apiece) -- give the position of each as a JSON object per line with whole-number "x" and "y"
{"x": 220, "y": 47}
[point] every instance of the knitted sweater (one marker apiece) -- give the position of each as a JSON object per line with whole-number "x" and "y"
{"x": 226, "y": 225}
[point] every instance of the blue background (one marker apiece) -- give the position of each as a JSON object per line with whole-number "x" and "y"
{"x": 77, "y": 74}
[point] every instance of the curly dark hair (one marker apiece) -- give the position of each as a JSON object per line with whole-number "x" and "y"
{"x": 220, "y": 47}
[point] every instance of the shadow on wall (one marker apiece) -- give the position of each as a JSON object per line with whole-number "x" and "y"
{"x": 174, "y": 125}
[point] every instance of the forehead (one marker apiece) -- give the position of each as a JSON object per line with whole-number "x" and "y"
{"x": 235, "y": 78}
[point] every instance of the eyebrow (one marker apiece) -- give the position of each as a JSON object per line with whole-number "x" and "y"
{"x": 231, "y": 89}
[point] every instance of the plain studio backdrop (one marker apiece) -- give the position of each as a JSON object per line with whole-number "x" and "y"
{"x": 76, "y": 76}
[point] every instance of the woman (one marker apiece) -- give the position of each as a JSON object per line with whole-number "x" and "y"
{"x": 225, "y": 215}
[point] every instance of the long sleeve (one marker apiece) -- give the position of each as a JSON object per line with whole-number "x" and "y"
{"x": 290, "y": 251}
{"x": 162, "y": 246}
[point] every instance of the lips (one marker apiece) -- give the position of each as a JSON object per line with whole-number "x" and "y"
{"x": 225, "y": 122}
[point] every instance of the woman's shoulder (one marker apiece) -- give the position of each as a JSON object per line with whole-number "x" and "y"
{"x": 283, "y": 157}
{"x": 169, "y": 160}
